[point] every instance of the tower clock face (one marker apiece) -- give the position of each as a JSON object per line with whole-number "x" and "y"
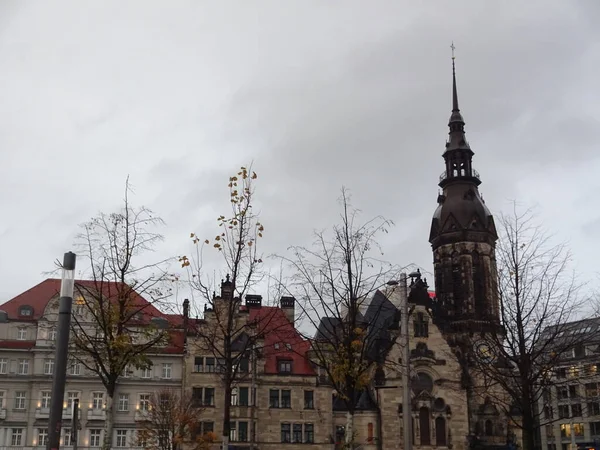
{"x": 484, "y": 352}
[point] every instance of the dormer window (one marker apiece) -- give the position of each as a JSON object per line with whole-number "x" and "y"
{"x": 284, "y": 366}
{"x": 26, "y": 311}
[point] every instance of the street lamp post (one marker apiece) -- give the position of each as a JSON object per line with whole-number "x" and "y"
{"x": 62, "y": 347}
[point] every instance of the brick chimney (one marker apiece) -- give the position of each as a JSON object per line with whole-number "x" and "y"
{"x": 287, "y": 304}
{"x": 253, "y": 301}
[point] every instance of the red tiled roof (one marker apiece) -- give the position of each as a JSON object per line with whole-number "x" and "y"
{"x": 38, "y": 297}
{"x": 278, "y": 329}
{"x": 17, "y": 345}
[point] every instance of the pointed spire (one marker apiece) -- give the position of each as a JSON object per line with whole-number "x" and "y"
{"x": 456, "y": 116}
{"x": 454, "y": 91}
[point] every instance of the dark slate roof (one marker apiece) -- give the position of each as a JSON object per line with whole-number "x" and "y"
{"x": 327, "y": 327}
{"x": 363, "y": 402}
{"x": 381, "y": 317}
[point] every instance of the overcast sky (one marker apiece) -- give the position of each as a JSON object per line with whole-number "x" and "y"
{"x": 319, "y": 94}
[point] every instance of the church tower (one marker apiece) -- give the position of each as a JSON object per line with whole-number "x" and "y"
{"x": 463, "y": 238}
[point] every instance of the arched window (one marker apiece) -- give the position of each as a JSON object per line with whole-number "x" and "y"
{"x": 421, "y": 325}
{"x": 440, "y": 432}
{"x": 424, "y": 426}
{"x": 457, "y": 284}
{"x": 370, "y": 435}
{"x": 489, "y": 428}
{"x": 478, "y": 284}
{"x": 423, "y": 382}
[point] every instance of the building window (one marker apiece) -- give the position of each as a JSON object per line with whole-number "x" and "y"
{"x": 20, "y": 397}
{"x": 22, "y": 333}
{"x": 23, "y": 367}
{"x": 204, "y": 396}
{"x": 52, "y": 335}
{"x": 424, "y": 426}
{"x": 48, "y": 367}
{"x": 42, "y": 437}
{"x": 146, "y": 372}
{"x": 286, "y": 398}
{"x": 198, "y": 364}
{"x": 563, "y": 411}
{"x": 75, "y": 369}
{"x": 273, "y": 398}
{"x": 286, "y": 433}
{"x": 243, "y": 396}
{"x": 234, "y": 397}
{"x": 123, "y": 402}
{"x": 95, "y": 438}
{"x": 2, "y": 399}
{"x": 45, "y": 400}
{"x": 489, "y": 428}
{"x": 243, "y": 365}
{"x": 3, "y": 365}
{"x": 210, "y": 365}
{"x": 208, "y": 427}
{"x": 284, "y": 366}
{"x": 166, "y": 370}
{"x": 309, "y": 433}
{"x": 297, "y": 433}
{"x": 593, "y": 409}
{"x": 370, "y": 436}
{"x": 591, "y": 390}
{"x": 565, "y": 429}
{"x": 232, "y": 432}
{"x": 309, "y": 400}
{"x": 440, "y": 432}
{"x": 16, "y": 437}
{"x": 573, "y": 391}
{"x": 71, "y": 396}
{"x": 595, "y": 428}
{"x": 121, "y": 438}
{"x": 421, "y": 326}
{"x": 67, "y": 437}
{"x": 97, "y": 400}
{"x": 243, "y": 431}
{"x": 144, "y": 402}
{"x": 576, "y": 410}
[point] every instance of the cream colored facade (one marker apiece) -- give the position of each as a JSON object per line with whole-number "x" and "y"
{"x": 26, "y": 366}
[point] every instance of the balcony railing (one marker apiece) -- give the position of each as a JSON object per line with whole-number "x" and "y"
{"x": 444, "y": 175}
{"x": 96, "y": 414}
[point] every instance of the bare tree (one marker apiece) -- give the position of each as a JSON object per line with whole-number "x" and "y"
{"x": 111, "y": 326}
{"x": 336, "y": 278}
{"x": 173, "y": 420}
{"x": 230, "y": 337}
{"x": 539, "y": 297}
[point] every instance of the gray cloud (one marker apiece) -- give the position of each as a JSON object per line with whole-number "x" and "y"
{"x": 318, "y": 95}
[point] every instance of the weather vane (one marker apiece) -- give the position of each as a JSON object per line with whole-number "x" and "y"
{"x": 452, "y": 47}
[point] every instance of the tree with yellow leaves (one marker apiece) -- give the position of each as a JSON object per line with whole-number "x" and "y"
{"x": 225, "y": 334}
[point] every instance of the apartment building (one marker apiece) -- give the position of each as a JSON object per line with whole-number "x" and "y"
{"x": 27, "y": 352}
{"x": 569, "y": 410}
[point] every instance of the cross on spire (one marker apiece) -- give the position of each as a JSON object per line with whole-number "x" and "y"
{"x": 453, "y": 48}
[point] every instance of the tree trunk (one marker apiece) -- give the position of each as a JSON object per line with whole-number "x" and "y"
{"x": 109, "y": 422}
{"x": 226, "y": 414}
{"x": 349, "y": 436}
{"x": 528, "y": 427}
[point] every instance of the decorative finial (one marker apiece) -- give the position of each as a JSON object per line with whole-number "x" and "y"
{"x": 453, "y": 48}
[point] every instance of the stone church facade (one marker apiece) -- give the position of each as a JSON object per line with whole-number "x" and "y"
{"x": 450, "y": 407}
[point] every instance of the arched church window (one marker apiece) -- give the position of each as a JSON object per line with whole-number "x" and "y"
{"x": 489, "y": 428}
{"x": 440, "y": 432}
{"x": 423, "y": 382}
{"x": 478, "y": 283}
{"x": 425, "y": 426}
{"x": 456, "y": 283}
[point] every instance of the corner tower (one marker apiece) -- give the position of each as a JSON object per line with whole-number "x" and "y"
{"x": 463, "y": 238}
